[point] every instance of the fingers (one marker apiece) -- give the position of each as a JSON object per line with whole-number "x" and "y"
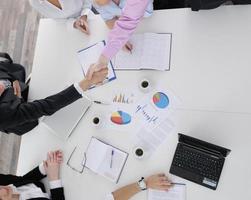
{"x": 90, "y": 72}
{"x": 161, "y": 175}
{"x": 2, "y": 88}
{"x": 82, "y": 25}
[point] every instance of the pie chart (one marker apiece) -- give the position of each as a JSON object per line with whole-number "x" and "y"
{"x": 160, "y": 100}
{"x": 120, "y": 117}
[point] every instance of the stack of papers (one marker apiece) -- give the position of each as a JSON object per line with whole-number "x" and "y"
{"x": 150, "y": 51}
{"x": 105, "y": 159}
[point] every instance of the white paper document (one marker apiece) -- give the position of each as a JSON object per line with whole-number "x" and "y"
{"x": 90, "y": 55}
{"x": 105, "y": 159}
{"x": 150, "y": 51}
{"x": 154, "y": 114}
{"x": 177, "y": 192}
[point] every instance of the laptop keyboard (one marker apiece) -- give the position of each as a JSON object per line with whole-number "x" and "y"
{"x": 197, "y": 162}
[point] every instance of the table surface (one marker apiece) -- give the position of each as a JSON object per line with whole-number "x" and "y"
{"x": 209, "y": 72}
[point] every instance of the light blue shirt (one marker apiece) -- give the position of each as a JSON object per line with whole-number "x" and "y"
{"x": 112, "y": 10}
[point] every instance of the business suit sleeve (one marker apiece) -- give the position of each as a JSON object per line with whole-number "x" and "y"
{"x": 57, "y": 194}
{"x": 19, "y": 113}
{"x": 32, "y": 176}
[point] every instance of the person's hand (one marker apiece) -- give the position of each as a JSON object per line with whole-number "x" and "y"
{"x": 17, "y": 88}
{"x": 2, "y": 88}
{"x": 82, "y": 24}
{"x": 101, "y": 64}
{"x": 128, "y": 47}
{"x": 96, "y": 79}
{"x": 52, "y": 165}
{"x": 158, "y": 182}
{"x": 6, "y": 193}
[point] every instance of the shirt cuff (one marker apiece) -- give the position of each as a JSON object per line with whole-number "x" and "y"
{"x": 79, "y": 89}
{"x": 86, "y": 12}
{"x": 41, "y": 169}
{"x": 55, "y": 184}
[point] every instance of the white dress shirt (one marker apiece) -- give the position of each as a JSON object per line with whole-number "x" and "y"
{"x": 70, "y": 8}
{"x": 31, "y": 191}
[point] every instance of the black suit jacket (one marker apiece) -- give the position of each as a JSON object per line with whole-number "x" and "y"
{"x": 34, "y": 176}
{"x": 18, "y": 116}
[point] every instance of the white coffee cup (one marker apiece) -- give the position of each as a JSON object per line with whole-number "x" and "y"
{"x": 139, "y": 152}
{"x": 145, "y": 85}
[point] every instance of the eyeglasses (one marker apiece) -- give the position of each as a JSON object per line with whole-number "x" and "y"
{"x": 83, "y": 162}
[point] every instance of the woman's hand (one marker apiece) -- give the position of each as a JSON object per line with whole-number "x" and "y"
{"x": 128, "y": 47}
{"x": 82, "y": 24}
{"x": 158, "y": 182}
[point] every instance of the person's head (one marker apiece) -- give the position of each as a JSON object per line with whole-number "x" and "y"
{"x": 102, "y": 2}
{"x": 6, "y": 193}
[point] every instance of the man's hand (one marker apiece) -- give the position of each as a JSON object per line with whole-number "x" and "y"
{"x": 101, "y": 64}
{"x": 82, "y": 24}
{"x": 128, "y": 47}
{"x": 158, "y": 182}
{"x": 97, "y": 78}
{"x": 2, "y": 88}
{"x": 52, "y": 165}
{"x": 17, "y": 88}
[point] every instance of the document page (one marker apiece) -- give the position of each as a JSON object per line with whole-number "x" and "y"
{"x": 127, "y": 60}
{"x": 150, "y": 51}
{"x": 95, "y": 154}
{"x": 112, "y": 164}
{"x": 177, "y": 192}
{"x": 156, "y": 51}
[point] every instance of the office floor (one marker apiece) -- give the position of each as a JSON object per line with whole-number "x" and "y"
{"x": 19, "y": 25}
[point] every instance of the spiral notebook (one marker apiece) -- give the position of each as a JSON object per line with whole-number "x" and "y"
{"x": 105, "y": 160}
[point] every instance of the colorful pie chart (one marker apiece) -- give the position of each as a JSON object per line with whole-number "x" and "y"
{"x": 120, "y": 117}
{"x": 161, "y": 100}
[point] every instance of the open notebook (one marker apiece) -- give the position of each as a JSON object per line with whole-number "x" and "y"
{"x": 177, "y": 192}
{"x": 90, "y": 55}
{"x": 150, "y": 51}
{"x": 105, "y": 159}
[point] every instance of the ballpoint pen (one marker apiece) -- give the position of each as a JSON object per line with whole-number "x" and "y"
{"x": 101, "y": 102}
{"x": 112, "y": 153}
{"x": 173, "y": 183}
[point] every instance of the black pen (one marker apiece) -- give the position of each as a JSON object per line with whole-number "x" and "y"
{"x": 111, "y": 158}
{"x": 101, "y": 102}
{"x": 173, "y": 183}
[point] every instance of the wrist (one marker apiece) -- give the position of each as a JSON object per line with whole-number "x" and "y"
{"x": 103, "y": 60}
{"x": 84, "y": 84}
{"x": 53, "y": 177}
{"x": 142, "y": 184}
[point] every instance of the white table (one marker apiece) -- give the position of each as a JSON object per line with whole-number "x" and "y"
{"x": 209, "y": 72}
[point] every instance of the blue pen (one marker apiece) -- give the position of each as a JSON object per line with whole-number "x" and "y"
{"x": 112, "y": 153}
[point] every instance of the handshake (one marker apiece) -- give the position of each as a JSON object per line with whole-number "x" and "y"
{"x": 95, "y": 76}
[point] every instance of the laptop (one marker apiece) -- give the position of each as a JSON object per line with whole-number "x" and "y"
{"x": 63, "y": 122}
{"x": 198, "y": 161}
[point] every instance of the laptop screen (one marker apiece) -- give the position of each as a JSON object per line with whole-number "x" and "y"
{"x": 203, "y": 145}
